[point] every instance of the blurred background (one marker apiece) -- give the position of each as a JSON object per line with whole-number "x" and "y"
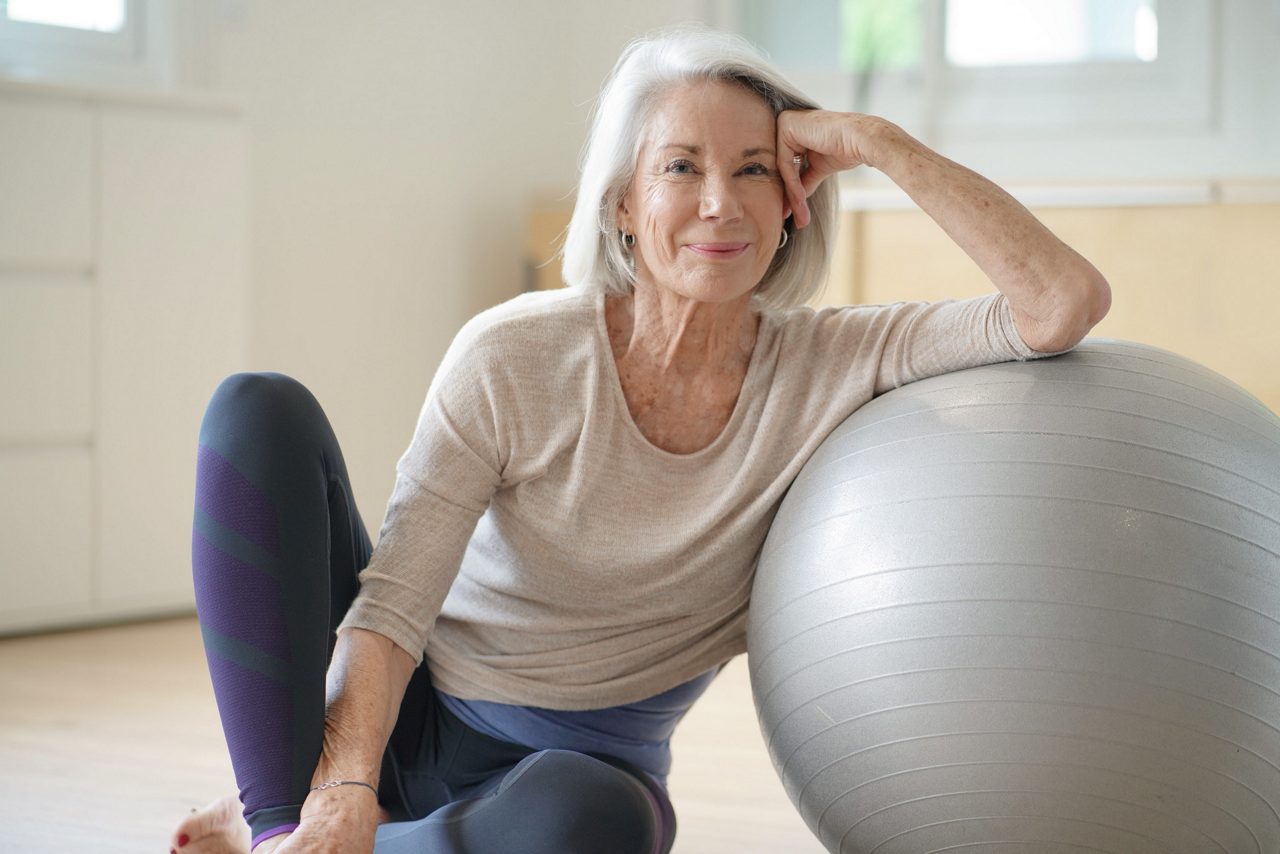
{"x": 195, "y": 187}
{"x": 190, "y": 188}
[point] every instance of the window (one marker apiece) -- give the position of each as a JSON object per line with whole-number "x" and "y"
{"x": 1017, "y": 81}
{"x": 886, "y": 35}
{"x": 103, "y": 16}
{"x": 98, "y": 42}
{"x": 1007, "y": 32}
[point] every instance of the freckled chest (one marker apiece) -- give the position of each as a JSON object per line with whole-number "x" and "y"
{"x": 679, "y": 411}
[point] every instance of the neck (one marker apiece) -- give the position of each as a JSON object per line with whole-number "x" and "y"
{"x": 675, "y": 334}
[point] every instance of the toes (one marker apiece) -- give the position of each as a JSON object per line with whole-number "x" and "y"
{"x": 186, "y": 830}
{"x": 220, "y": 821}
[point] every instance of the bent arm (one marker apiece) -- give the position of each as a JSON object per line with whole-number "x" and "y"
{"x": 1056, "y": 295}
{"x": 367, "y": 680}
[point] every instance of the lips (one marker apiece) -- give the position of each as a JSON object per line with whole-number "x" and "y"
{"x": 719, "y": 250}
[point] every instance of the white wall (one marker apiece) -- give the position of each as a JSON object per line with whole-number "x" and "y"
{"x": 394, "y": 148}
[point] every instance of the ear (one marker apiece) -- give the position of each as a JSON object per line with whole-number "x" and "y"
{"x": 624, "y": 216}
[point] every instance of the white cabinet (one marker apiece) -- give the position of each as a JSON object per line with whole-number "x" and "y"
{"x": 123, "y": 301}
{"x": 47, "y": 549}
{"x": 46, "y": 373}
{"x": 46, "y": 183}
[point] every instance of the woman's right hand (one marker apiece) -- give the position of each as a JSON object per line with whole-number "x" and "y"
{"x": 366, "y": 682}
{"x": 339, "y": 820}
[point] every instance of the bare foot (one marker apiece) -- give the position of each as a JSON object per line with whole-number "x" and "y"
{"x": 219, "y": 828}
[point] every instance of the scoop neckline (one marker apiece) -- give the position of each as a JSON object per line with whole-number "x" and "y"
{"x": 620, "y": 398}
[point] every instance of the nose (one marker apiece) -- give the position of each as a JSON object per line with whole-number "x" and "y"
{"x": 719, "y": 199}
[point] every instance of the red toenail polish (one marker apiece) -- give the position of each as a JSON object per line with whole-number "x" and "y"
{"x": 183, "y": 840}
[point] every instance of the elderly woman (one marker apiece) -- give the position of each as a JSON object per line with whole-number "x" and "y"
{"x": 574, "y": 526}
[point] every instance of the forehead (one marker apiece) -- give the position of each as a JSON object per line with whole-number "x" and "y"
{"x": 710, "y": 114}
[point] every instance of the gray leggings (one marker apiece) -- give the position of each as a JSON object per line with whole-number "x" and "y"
{"x": 276, "y": 551}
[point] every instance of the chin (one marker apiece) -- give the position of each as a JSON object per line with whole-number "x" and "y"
{"x": 717, "y": 289}
{"x": 716, "y": 293}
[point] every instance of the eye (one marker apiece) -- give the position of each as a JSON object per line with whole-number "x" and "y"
{"x": 756, "y": 169}
{"x": 680, "y": 167}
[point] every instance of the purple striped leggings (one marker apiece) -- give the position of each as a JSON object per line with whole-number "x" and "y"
{"x": 276, "y": 551}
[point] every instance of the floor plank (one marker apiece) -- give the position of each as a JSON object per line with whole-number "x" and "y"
{"x": 108, "y": 735}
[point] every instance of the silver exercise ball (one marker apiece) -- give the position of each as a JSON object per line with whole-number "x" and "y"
{"x": 1032, "y": 608}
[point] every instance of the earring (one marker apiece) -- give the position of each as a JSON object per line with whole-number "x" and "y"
{"x": 786, "y": 235}
{"x": 628, "y": 240}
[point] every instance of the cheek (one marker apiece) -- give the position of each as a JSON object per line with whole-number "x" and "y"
{"x": 770, "y": 201}
{"x": 769, "y": 209}
{"x": 663, "y": 201}
{"x": 666, "y": 208}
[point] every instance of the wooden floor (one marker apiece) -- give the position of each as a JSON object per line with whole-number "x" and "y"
{"x": 107, "y": 736}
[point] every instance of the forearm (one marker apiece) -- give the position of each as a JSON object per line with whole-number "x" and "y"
{"x": 1056, "y": 295}
{"x": 367, "y": 679}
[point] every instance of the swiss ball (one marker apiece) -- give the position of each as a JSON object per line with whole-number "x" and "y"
{"x": 1032, "y": 607}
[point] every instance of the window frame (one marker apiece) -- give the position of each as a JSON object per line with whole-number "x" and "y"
{"x": 1172, "y": 93}
{"x": 141, "y": 55}
{"x": 938, "y": 101}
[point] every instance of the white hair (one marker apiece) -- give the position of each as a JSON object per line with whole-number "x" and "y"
{"x": 594, "y": 257}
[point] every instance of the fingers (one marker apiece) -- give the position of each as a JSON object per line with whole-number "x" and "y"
{"x": 796, "y": 196}
{"x": 804, "y": 158}
{"x": 791, "y": 162}
{"x": 827, "y": 142}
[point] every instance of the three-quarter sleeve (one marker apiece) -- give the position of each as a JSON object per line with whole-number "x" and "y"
{"x": 838, "y": 358}
{"x": 444, "y": 482}
{"x": 926, "y": 339}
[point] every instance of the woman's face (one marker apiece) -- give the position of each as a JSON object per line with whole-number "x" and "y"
{"x": 706, "y": 205}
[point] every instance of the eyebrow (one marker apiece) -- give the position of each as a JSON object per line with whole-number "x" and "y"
{"x": 697, "y": 149}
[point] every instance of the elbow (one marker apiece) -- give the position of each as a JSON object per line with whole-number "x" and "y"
{"x": 1080, "y": 305}
{"x": 1091, "y": 302}
{"x": 1097, "y": 299}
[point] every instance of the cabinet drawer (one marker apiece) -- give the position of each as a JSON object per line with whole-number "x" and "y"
{"x": 45, "y": 554}
{"x": 46, "y": 363}
{"x": 46, "y": 209}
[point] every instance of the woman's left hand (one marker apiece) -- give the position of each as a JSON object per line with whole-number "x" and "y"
{"x": 1055, "y": 294}
{"x": 830, "y": 143}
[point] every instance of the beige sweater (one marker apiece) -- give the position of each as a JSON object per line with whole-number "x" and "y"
{"x": 544, "y": 553}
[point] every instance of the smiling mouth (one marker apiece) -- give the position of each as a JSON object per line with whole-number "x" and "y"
{"x": 719, "y": 250}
